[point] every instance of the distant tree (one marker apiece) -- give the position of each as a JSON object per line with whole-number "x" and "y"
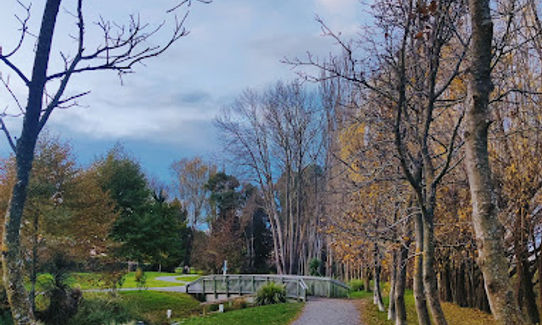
{"x": 191, "y": 175}
{"x": 123, "y": 179}
{"x": 149, "y": 228}
{"x": 225, "y": 239}
{"x": 164, "y": 232}
{"x": 257, "y": 235}
{"x": 66, "y": 213}
{"x": 224, "y": 198}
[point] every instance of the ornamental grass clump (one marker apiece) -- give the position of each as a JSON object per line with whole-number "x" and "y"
{"x": 271, "y": 293}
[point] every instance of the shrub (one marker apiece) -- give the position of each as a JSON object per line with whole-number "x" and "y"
{"x": 271, "y": 293}
{"x": 314, "y": 267}
{"x": 140, "y": 278}
{"x": 356, "y": 285}
{"x": 240, "y": 303}
{"x": 102, "y": 310}
{"x": 63, "y": 300}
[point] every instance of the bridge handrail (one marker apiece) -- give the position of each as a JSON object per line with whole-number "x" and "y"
{"x": 317, "y": 286}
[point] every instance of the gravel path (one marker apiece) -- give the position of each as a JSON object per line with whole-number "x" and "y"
{"x": 321, "y": 311}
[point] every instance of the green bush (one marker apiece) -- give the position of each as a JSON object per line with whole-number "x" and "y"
{"x": 271, "y": 293}
{"x": 314, "y": 267}
{"x": 356, "y": 285}
{"x": 140, "y": 278}
{"x": 103, "y": 310}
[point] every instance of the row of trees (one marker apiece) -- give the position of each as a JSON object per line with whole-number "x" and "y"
{"x": 435, "y": 138}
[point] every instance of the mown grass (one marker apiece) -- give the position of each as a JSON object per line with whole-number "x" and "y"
{"x": 152, "y": 306}
{"x": 94, "y": 280}
{"x": 188, "y": 278}
{"x": 455, "y": 315}
{"x": 279, "y": 314}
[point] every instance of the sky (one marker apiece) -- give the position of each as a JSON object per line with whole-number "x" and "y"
{"x": 165, "y": 110}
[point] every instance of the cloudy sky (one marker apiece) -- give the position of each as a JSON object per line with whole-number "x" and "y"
{"x": 165, "y": 110}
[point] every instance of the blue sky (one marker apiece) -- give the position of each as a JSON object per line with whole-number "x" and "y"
{"x": 165, "y": 110}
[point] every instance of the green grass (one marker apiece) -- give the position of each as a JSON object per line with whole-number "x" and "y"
{"x": 93, "y": 280}
{"x": 279, "y": 314}
{"x": 152, "y": 305}
{"x": 151, "y": 280}
{"x": 455, "y": 315}
{"x": 188, "y": 278}
{"x": 360, "y": 294}
{"x": 148, "y": 306}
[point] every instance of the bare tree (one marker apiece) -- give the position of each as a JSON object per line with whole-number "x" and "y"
{"x": 191, "y": 176}
{"x": 274, "y": 137}
{"x": 121, "y": 49}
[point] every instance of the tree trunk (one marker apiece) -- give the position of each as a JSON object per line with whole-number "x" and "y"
{"x": 489, "y": 231}
{"x": 377, "y": 294}
{"x": 367, "y": 279}
{"x": 419, "y": 294}
{"x": 429, "y": 274}
{"x": 526, "y": 296}
{"x": 12, "y": 263}
{"x": 393, "y": 279}
{"x": 400, "y": 284}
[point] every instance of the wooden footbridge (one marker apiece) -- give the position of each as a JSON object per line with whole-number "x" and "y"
{"x": 218, "y": 287}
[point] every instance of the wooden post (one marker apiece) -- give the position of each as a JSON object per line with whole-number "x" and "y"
{"x": 227, "y": 286}
{"x": 329, "y": 289}
{"x": 297, "y": 290}
{"x": 240, "y": 285}
{"x": 214, "y": 287}
{"x": 253, "y": 285}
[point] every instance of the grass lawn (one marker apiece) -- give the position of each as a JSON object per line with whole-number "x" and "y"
{"x": 93, "y": 280}
{"x": 147, "y": 306}
{"x": 455, "y": 315}
{"x": 188, "y": 278}
{"x": 152, "y": 305}
{"x": 280, "y": 314}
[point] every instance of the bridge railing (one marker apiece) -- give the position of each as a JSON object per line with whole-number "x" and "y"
{"x": 297, "y": 287}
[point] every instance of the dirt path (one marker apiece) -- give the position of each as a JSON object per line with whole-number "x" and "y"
{"x": 321, "y": 311}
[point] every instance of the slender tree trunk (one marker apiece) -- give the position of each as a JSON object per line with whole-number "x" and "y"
{"x": 489, "y": 231}
{"x": 429, "y": 274}
{"x": 367, "y": 279}
{"x": 21, "y": 308}
{"x": 393, "y": 279}
{"x": 419, "y": 294}
{"x": 400, "y": 284}
{"x": 377, "y": 294}
{"x": 526, "y": 296}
